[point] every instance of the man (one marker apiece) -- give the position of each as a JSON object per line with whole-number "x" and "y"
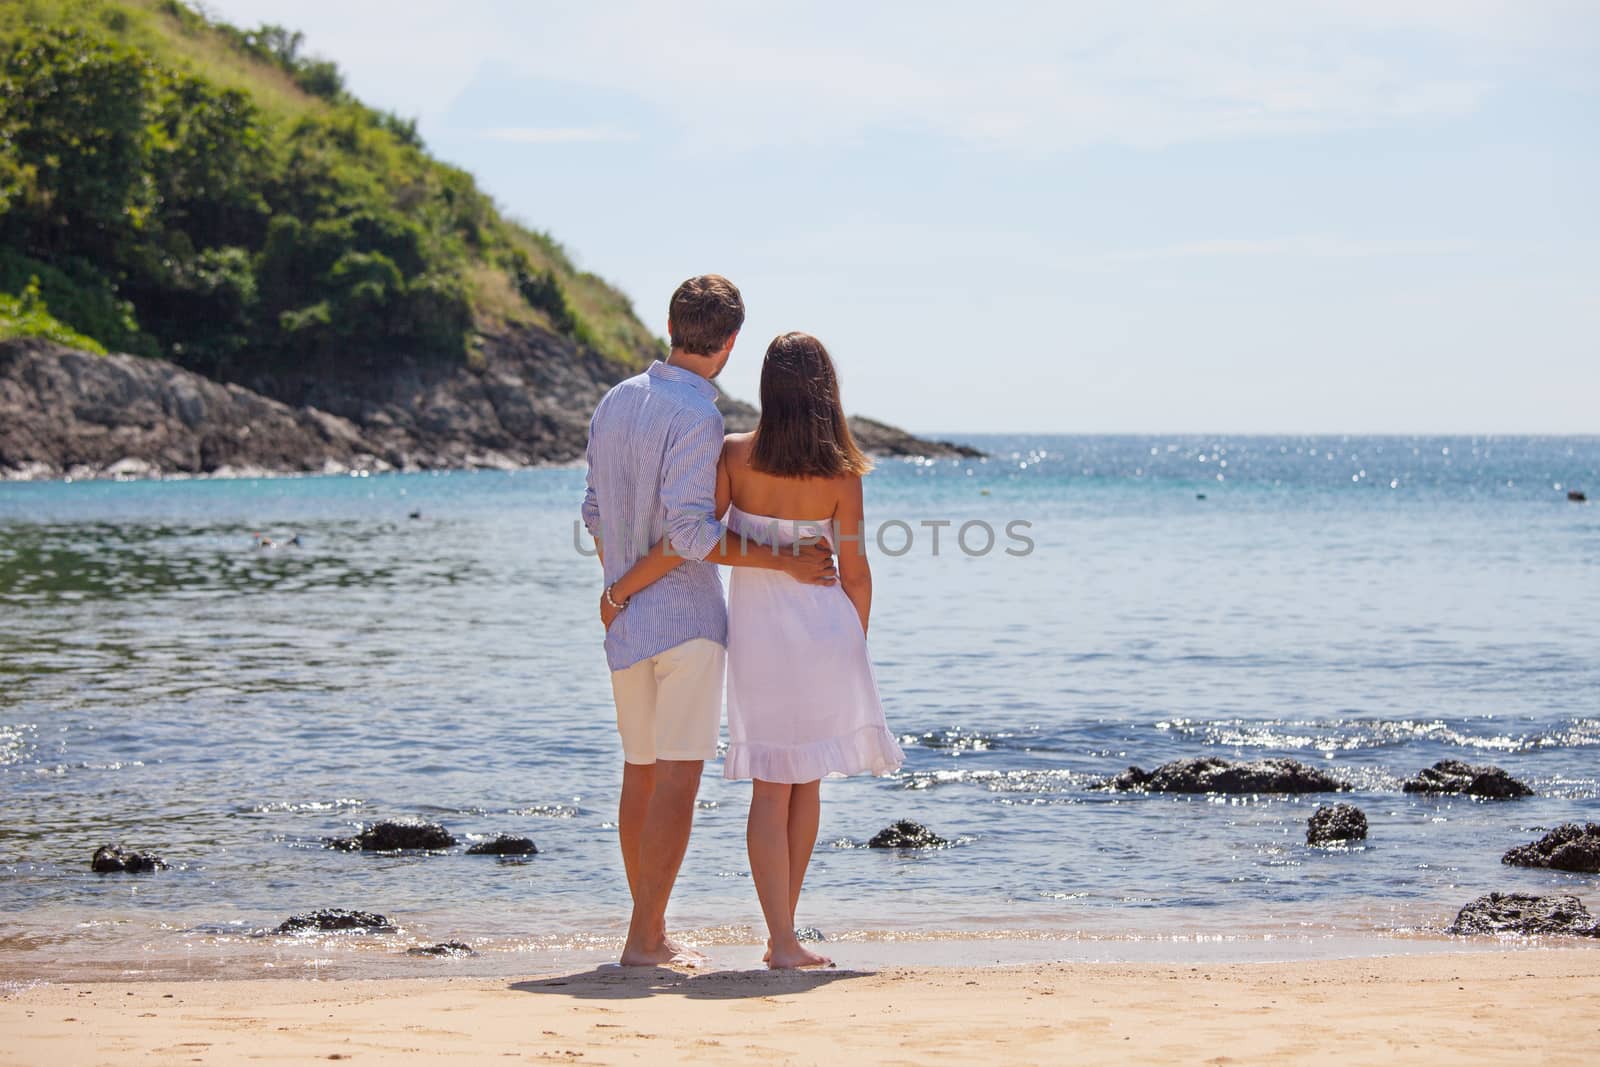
{"x": 654, "y": 443}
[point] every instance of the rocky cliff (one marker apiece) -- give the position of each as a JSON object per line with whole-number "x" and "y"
{"x": 526, "y": 401}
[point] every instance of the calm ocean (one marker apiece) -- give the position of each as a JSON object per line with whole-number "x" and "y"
{"x": 1369, "y": 605}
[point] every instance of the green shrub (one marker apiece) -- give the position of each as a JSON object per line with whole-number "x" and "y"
{"x": 320, "y": 78}
{"x": 27, "y": 315}
{"x": 541, "y": 290}
{"x": 81, "y": 298}
{"x": 75, "y": 113}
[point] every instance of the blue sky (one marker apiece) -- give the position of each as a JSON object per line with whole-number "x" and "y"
{"x": 1144, "y": 217}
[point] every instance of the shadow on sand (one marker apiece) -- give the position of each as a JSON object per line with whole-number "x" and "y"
{"x": 611, "y": 982}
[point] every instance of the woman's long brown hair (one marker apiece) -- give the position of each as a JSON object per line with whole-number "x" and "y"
{"x": 802, "y": 432}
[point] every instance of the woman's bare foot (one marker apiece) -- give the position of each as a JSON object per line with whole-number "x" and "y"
{"x": 664, "y": 953}
{"x": 658, "y": 955}
{"x": 788, "y": 958}
{"x": 684, "y": 956}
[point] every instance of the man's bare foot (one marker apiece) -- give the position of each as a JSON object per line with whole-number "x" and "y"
{"x": 791, "y": 958}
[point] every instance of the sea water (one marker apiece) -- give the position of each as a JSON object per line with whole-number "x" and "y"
{"x": 431, "y": 649}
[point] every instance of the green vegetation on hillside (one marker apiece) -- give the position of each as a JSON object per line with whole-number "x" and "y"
{"x": 28, "y": 316}
{"x": 184, "y": 188}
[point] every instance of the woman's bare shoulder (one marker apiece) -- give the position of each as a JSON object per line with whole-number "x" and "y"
{"x": 846, "y": 490}
{"x": 846, "y": 483}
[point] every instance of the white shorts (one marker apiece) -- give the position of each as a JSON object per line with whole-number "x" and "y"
{"x": 670, "y": 705}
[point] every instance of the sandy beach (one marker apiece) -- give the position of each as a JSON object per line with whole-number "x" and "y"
{"x": 1538, "y": 1006}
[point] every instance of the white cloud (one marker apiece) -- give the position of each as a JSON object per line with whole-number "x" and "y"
{"x": 880, "y": 245}
{"x": 1031, "y": 77}
{"x": 555, "y": 134}
{"x": 1304, "y": 247}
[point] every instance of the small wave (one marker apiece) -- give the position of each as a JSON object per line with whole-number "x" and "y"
{"x": 1569, "y": 788}
{"x": 1051, "y": 782}
{"x": 305, "y": 805}
{"x": 548, "y": 811}
{"x": 956, "y": 741}
{"x": 1365, "y": 779}
{"x": 15, "y": 987}
{"x": 1346, "y": 735}
{"x": 1035, "y": 801}
{"x": 1015, "y": 781}
{"x": 231, "y": 928}
{"x": 16, "y": 741}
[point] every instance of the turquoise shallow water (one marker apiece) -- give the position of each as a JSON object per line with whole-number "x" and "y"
{"x": 1369, "y": 605}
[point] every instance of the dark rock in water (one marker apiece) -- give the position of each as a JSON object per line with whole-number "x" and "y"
{"x": 1525, "y": 913}
{"x": 1212, "y": 774}
{"x": 1569, "y": 847}
{"x": 906, "y": 834}
{"x": 395, "y": 837}
{"x": 111, "y": 858}
{"x": 1134, "y": 778}
{"x": 809, "y": 933}
{"x": 1339, "y": 822}
{"x": 443, "y": 948}
{"x": 1451, "y": 776}
{"x": 1576, "y": 496}
{"x": 333, "y": 919}
{"x": 504, "y": 845}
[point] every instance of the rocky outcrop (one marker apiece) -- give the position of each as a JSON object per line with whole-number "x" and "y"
{"x": 1569, "y": 847}
{"x": 109, "y": 859}
{"x": 906, "y": 834}
{"x": 403, "y": 836}
{"x": 68, "y": 412}
{"x": 525, "y": 400}
{"x": 873, "y": 436}
{"x": 1527, "y": 914}
{"x": 504, "y": 845}
{"x": 1336, "y": 824}
{"x": 333, "y": 919}
{"x": 1213, "y": 774}
{"x": 1453, "y": 777}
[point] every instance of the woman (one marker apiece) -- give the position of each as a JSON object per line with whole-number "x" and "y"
{"x": 802, "y": 700}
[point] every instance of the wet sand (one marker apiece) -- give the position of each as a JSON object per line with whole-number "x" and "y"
{"x": 1540, "y": 1006}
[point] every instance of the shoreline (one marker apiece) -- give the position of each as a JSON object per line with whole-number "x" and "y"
{"x": 258, "y": 956}
{"x": 1479, "y": 1007}
{"x": 121, "y": 473}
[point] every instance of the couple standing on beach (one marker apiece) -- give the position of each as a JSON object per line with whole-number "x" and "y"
{"x": 665, "y": 490}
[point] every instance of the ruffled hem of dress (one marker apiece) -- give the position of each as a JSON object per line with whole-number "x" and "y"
{"x": 870, "y": 750}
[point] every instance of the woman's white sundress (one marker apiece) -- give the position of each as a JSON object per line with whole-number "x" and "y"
{"x": 802, "y": 698}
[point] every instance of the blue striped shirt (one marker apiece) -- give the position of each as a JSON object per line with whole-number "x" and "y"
{"x": 654, "y": 442}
